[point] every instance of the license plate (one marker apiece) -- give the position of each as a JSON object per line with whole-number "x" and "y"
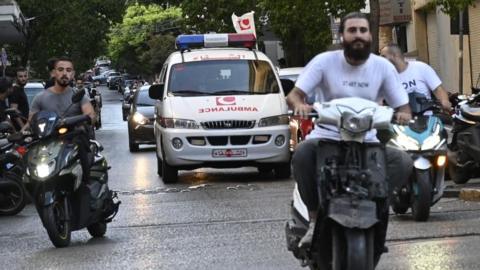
{"x": 220, "y": 153}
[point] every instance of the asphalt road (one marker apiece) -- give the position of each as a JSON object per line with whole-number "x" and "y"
{"x": 216, "y": 219}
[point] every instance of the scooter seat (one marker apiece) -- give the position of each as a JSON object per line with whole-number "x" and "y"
{"x": 470, "y": 113}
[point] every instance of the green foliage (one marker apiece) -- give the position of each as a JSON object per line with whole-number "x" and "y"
{"x": 304, "y": 26}
{"x": 133, "y": 44}
{"x": 452, "y": 7}
{"x": 215, "y": 15}
{"x": 76, "y": 28}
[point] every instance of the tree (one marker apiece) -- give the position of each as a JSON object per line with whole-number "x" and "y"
{"x": 214, "y": 16}
{"x": 141, "y": 42}
{"x": 452, "y": 7}
{"x": 75, "y": 28}
{"x": 374, "y": 24}
{"x": 304, "y": 26}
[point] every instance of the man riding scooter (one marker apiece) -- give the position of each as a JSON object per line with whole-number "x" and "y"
{"x": 425, "y": 138}
{"x": 351, "y": 72}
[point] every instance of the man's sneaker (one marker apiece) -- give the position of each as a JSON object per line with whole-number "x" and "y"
{"x": 306, "y": 241}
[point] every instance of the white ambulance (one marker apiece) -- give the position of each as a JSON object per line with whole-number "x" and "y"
{"x": 220, "y": 104}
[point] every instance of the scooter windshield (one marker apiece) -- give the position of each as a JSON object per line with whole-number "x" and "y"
{"x": 44, "y": 123}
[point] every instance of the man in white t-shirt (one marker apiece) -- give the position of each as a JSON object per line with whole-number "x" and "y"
{"x": 351, "y": 72}
{"x": 417, "y": 76}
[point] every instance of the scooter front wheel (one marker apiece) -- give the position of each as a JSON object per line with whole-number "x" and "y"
{"x": 12, "y": 199}
{"x": 97, "y": 229}
{"x": 422, "y": 195}
{"x": 57, "y": 223}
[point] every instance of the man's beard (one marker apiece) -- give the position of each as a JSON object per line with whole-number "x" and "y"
{"x": 357, "y": 54}
{"x": 64, "y": 82}
{"x": 21, "y": 84}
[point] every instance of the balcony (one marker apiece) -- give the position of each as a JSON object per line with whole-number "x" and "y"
{"x": 12, "y": 23}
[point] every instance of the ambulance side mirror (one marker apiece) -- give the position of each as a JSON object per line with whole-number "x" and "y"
{"x": 156, "y": 91}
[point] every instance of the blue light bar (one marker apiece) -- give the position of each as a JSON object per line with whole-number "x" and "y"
{"x": 185, "y": 42}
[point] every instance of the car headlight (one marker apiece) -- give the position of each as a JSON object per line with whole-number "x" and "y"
{"x": 403, "y": 141}
{"x": 274, "y": 121}
{"x": 43, "y": 170}
{"x": 140, "y": 118}
{"x": 178, "y": 123}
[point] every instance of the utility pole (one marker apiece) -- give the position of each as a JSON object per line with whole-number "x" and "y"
{"x": 460, "y": 54}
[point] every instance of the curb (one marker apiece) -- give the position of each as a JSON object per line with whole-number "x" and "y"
{"x": 451, "y": 193}
{"x": 470, "y": 194}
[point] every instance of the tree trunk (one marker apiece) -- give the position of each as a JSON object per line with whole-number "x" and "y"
{"x": 374, "y": 21}
{"x": 295, "y": 51}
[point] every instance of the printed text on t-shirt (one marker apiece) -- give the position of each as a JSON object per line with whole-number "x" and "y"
{"x": 355, "y": 84}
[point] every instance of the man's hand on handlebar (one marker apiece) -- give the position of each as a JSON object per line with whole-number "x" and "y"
{"x": 403, "y": 118}
{"x": 302, "y": 110}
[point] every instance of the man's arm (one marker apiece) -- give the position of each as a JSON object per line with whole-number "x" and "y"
{"x": 296, "y": 101}
{"x": 442, "y": 96}
{"x": 19, "y": 118}
{"x": 87, "y": 109}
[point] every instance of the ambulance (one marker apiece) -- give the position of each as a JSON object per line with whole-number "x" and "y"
{"x": 220, "y": 104}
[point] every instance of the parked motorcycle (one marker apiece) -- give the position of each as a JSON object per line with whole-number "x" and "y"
{"x": 352, "y": 187}
{"x": 96, "y": 101}
{"x": 425, "y": 139}
{"x": 464, "y": 149}
{"x": 54, "y": 179}
{"x": 12, "y": 192}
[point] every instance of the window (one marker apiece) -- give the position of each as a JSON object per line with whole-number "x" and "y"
{"x": 223, "y": 76}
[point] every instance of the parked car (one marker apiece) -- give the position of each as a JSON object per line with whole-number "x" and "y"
{"x": 127, "y": 101}
{"x": 141, "y": 119}
{"x": 32, "y": 89}
{"x": 111, "y": 76}
{"x": 299, "y": 128}
{"x": 102, "y": 78}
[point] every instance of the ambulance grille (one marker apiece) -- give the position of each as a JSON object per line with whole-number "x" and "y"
{"x": 228, "y": 124}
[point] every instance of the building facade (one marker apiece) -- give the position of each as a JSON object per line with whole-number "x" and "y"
{"x": 429, "y": 35}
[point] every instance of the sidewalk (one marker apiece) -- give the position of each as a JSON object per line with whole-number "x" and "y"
{"x": 467, "y": 192}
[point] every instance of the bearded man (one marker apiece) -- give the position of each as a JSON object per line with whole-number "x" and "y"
{"x": 350, "y": 72}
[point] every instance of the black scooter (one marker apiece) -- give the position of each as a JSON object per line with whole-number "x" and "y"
{"x": 351, "y": 183}
{"x": 12, "y": 193}
{"x": 464, "y": 149}
{"x": 54, "y": 179}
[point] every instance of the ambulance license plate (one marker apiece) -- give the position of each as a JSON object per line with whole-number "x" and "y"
{"x": 221, "y": 153}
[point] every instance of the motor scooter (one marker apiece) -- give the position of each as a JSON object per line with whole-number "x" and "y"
{"x": 352, "y": 188}
{"x": 64, "y": 202}
{"x": 425, "y": 139}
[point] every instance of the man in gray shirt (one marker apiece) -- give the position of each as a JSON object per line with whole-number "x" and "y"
{"x": 58, "y": 99}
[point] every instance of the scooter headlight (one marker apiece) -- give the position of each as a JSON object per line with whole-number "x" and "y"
{"x": 44, "y": 170}
{"x": 356, "y": 122}
{"x": 433, "y": 140}
{"x": 430, "y": 142}
{"x": 403, "y": 141}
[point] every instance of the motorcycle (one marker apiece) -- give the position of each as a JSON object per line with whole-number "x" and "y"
{"x": 54, "y": 179}
{"x": 13, "y": 197}
{"x": 425, "y": 139}
{"x": 464, "y": 149}
{"x": 352, "y": 187}
{"x": 96, "y": 101}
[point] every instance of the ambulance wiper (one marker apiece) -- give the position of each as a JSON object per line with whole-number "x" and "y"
{"x": 189, "y": 93}
{"x": 232, "y": 92}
